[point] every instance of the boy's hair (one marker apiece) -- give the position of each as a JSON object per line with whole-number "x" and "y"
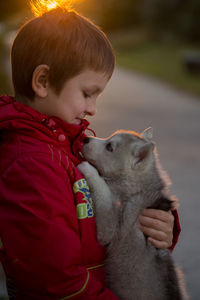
{"x": 65, "y": 41}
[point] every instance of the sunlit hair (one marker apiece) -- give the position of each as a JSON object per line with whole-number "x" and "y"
{"x": 39, "y": 7}
{"x": 65, "y": 41}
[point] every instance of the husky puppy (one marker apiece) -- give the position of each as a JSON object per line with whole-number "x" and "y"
{"x": 124, "y": 176}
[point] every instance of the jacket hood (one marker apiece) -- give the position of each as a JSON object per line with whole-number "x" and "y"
{"x": 16, "y": 117}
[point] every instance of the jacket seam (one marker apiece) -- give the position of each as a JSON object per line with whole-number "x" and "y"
{"x": 79, "y": 291}
{"x": 85, "y": 284}
{"x": 95, "y": 267}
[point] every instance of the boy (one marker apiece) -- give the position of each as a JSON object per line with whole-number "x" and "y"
{"x": 61, "y": 62}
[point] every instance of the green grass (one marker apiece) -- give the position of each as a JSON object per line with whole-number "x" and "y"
{"x": 163, "y": 60}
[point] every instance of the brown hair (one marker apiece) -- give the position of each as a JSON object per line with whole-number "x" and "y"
{"x": 65, "y": 41}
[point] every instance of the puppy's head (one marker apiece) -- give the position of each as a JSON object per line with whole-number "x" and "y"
{"x": 121, "y": 153}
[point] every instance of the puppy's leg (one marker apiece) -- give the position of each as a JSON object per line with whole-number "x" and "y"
{"x": 105, "y": 214}
{"x": 129, "y": 218}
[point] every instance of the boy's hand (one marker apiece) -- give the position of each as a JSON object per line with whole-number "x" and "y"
{"x": 158, "y": 226}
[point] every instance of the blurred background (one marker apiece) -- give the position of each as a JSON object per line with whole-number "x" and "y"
{"x": 158, "y": 38}
{"x": 157, "y": 83}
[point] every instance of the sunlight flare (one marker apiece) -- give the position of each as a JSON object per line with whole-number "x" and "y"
{"x": 39, "y": 7}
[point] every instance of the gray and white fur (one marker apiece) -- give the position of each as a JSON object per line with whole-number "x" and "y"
{"x": 129, "y": 179}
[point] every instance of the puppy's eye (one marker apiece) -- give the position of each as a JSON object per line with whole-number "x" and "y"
{"x": 109, "y": 147}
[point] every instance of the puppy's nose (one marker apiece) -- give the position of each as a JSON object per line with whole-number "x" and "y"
{"x": 86, "y": 140}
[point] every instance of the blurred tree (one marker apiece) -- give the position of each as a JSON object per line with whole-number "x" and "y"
{"x": 189, "y": 20}
{"x": 10, "y": 7}
{"x": 180, "y": 17}
{"x": 112, "y": 14}
{"x": 117, "y": 14}
{"x": 162, "y": 13}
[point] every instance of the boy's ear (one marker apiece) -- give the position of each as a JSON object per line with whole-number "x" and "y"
{"x": 40, "y": 82}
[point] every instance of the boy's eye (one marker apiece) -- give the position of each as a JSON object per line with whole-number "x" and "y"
{"x": 109, "y": 147}
{"x": 86, "y": 95}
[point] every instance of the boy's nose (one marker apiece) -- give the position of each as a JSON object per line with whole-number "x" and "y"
{"x": 91, "y": 109}
{"x": 91, "y": 112}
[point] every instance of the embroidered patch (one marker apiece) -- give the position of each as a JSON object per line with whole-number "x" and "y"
{"x": 85, "y": 209}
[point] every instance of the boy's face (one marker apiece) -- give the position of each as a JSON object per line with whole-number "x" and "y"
{"x": 77, "y": 98}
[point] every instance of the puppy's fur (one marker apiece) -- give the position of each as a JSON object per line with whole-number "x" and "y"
{"x": 129, "y": 179}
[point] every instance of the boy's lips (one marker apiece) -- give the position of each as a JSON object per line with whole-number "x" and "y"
{"x": 78, "y": 121}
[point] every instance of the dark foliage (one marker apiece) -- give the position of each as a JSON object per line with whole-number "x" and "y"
{"x": 11, "y": 7}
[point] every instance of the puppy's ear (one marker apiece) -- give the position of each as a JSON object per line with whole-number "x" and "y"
{"x": 142, "y": 151}
{"x": 147, "y": 134}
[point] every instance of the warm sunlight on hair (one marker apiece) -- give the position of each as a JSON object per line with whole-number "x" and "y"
{"x": 39, "y": 7}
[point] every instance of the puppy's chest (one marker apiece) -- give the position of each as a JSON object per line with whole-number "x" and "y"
{"x": 128, "y": 235}
{"x": 130, "y": 253}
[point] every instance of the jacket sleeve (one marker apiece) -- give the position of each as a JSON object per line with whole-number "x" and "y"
{"x": 41, "y": 234}
{"x": 176, "y": 230}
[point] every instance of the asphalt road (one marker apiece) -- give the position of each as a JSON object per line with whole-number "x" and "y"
{"x": 134, "y": 102}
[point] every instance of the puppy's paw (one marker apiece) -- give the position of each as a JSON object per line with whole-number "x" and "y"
{"x": 87, "y": 169}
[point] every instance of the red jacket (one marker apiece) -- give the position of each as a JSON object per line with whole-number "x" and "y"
{"x": 48, "y": 244}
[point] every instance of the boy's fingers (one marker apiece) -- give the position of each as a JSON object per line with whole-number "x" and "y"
{"x": 155, "y": 224}
{"x": 165, "y": 216}
{"x": 154, "y": 234}
{"x": 158, "y": 226}
{"x": 159, "y": 244}
{"x": 161, "y": 238}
